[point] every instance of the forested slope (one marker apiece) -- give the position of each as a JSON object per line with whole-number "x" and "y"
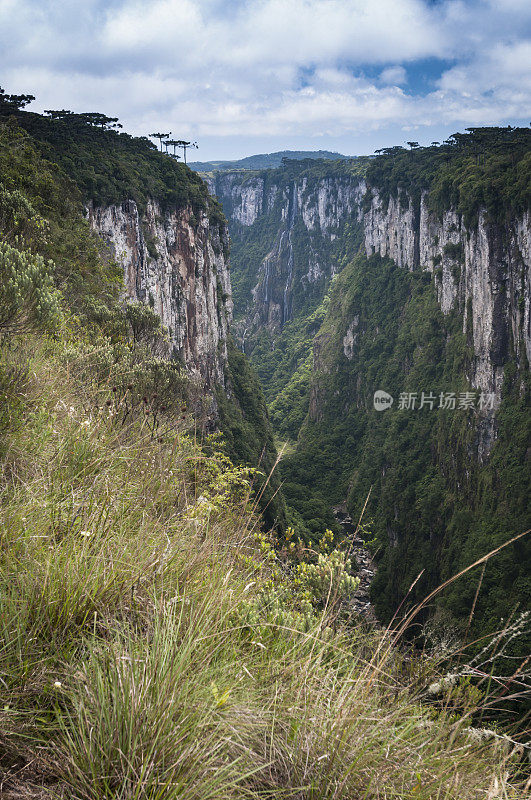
{"x": 441, "y": 307}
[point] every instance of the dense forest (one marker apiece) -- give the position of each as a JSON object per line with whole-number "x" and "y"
{"x": 432, "y": 508}
{"x": 483, "y": 168}
{"x": 106, "y": 164}
{"x": 434, "y": 505}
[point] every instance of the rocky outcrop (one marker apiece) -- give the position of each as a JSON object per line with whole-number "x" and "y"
{"x": 243, "y": 196}
{"x": 177, "y": 263}
{"x": 483, "y": 270}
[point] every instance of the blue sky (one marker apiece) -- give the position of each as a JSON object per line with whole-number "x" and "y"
{"x": 250, "y": 76}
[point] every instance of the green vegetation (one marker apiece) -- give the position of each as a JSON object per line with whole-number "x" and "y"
{"x": 41, "y": 212}
{"x": 248, "y": 435}
{"x": 433, "y": 509}
{"x": 27, "y": 293}
{"x": 110, "y": 166}
{"x": 154, "y": 643}
{"x": 486, "y": 168}
{"x": 265, "y": 160}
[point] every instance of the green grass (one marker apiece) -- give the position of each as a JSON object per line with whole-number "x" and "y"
{"x": 154, "y": 646}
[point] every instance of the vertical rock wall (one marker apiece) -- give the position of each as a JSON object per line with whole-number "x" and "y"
{"x": 298, "y": 214}
{"x": 484, "y": 271}
{"x": 177, "y": 264}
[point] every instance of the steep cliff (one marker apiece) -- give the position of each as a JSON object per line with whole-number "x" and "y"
{"x": 483, "y": 270}
{"x": 288, "y": 228}
{"x": 435, "y": 312}
{"x": 178, "y": 264}
{"x": 291, "y": 229}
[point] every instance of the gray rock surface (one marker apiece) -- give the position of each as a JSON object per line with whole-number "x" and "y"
{"x": 178, "y": 265}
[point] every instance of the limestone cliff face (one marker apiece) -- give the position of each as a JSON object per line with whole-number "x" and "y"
{"x": 244, "y": 197}
{"x": 484, "y": 271}
{"x": 177, "y": 264}
{"x": 302, "y": 220}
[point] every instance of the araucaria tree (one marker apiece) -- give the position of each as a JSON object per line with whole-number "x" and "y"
{"x": 160, "y": 137}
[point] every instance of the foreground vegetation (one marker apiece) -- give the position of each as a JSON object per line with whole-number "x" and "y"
{"x": 154, "y": 645}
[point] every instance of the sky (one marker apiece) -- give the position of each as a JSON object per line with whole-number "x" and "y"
{"x": 253, "y": 76}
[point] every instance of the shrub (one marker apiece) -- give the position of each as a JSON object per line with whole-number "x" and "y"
{"x": 27, "y": 294}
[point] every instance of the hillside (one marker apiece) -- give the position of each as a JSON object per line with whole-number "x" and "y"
{"x": 264, "y": 160}
{"x": 169, "y": 239}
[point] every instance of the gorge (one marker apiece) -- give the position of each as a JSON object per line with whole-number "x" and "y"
{"x": 188, "y": 438}
{"x": 406, "y": 273}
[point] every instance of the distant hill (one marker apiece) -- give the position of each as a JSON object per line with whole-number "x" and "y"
{"x": 264, "y": 160}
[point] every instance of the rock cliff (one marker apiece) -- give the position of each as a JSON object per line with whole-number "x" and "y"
{"x": 301, "y": 224}
{"x": 483, "y": 270}
{"x": 287, "y": 230}
{"x": 178, "y": 264}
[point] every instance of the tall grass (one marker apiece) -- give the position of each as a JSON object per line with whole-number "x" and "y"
{"x": 144, "y": 652}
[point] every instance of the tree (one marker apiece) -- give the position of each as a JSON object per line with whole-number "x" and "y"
{"x": 28, "y": 298}
{"x": 92, "y": 118}
{"x": 100, "y": 120}
{"x": 172, "y": 143}
{"x": 62, "y": 114}
{"x": 390, "y": 151}
{"x": 160, "y": 137}
{"x": 13, "y": 102}
{"x": 413, "y": 145}
{"x": 183, "y": 145}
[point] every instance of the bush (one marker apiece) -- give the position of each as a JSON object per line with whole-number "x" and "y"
{"x": 27, "y": 295}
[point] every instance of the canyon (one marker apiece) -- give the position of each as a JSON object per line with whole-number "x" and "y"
{"x": 346, "y": 282}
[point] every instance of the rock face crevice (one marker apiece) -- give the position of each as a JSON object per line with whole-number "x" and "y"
{"x": 177, "y": 263}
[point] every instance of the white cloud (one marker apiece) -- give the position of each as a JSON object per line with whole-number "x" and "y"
{"x": 251, "y": 68}
{"x": 394, "y": 76}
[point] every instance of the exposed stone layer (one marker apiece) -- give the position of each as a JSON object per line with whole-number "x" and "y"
{"x": 178, "y": 265}
{"x": 485, "y": 270}
{"x": 303, "y": 213}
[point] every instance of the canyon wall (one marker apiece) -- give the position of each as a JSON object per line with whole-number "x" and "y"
{"x": 293, "y": 232}
{"x": 483, "y": 270}
{"x": 178, "y": 264}
{"x": 294, "y": 219}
